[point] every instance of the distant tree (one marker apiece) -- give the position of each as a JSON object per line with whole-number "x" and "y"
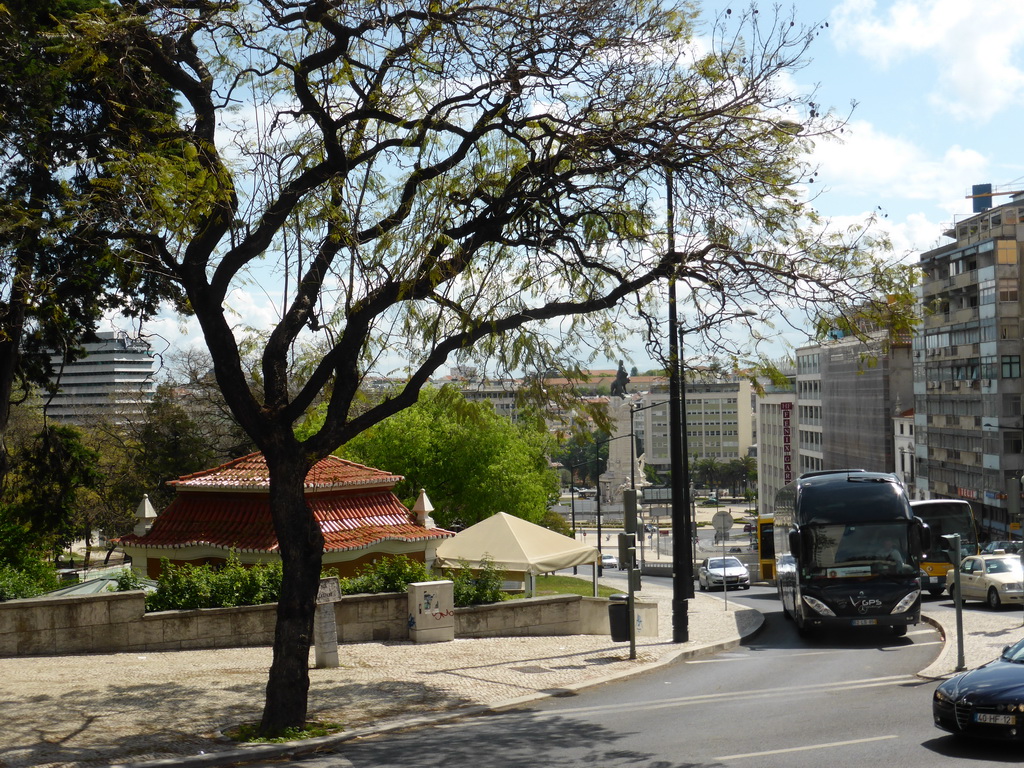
{"x": 739, "y": 473}
{"x": 49, "y": 474}
{"x": 584, "y": 456}
{"x": 708, "y": 473}
{"x": 140, "y": 453}
{"x": 555, "y": 522}
{"x": 472, "y": 461}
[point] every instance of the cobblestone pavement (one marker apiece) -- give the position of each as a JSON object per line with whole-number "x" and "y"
{"x": 103, "y": 709}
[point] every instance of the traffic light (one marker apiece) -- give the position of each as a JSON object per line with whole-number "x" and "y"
{"x": 629, "y": 510}
{"x": 627, "y": 549}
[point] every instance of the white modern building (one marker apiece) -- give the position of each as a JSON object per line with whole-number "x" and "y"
{"x": 114, "y": 379}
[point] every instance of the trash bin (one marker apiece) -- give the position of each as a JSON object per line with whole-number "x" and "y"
{"x": 618, "y": 618}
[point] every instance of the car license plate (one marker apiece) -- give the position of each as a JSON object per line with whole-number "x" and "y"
{"x": 984, "y": 717}
{"x": 864, "y": 622}
{"x": 934, "y": 580}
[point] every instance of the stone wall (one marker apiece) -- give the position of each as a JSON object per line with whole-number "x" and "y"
{"x": 117, "y": 621}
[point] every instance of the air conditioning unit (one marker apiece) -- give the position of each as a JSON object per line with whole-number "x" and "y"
{"x": 986, "y": 382}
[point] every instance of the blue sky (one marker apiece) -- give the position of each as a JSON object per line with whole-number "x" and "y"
{"x": 939, "y": 87}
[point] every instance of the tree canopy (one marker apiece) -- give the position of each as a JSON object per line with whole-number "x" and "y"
{"x": 437, "y": 181}
{"x": 70, "y": 101}
{"x": 472, "y": 461}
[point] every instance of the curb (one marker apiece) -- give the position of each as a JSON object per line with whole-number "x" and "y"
{"x": 258, "y": 752}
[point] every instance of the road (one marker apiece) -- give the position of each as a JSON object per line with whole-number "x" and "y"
{"x": 779, "y": 700}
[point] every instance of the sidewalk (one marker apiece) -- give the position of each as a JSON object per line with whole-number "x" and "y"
{"x": 95, "y": 710}
{"x": 131, "y": 709}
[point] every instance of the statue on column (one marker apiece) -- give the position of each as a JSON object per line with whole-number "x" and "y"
{"x": 618, "y": 387}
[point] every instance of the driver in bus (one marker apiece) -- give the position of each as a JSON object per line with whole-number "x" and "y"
{"x": 892, "y": 552}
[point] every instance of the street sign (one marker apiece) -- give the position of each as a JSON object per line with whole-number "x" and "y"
{"x": 722, "y": 522}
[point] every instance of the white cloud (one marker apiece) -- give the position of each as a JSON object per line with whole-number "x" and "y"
{"x": 883, "y": 167}
{"x": 976, "y": 48}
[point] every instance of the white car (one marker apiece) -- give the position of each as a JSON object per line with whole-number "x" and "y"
{"x": 609, "y": 561}
{"x": 723, "y": 573}
{"x": 996, "y": 579}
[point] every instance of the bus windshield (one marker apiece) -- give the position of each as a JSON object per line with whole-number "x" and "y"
{"x": 857, "y": 550}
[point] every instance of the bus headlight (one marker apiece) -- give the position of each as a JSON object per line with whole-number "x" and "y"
{"x": 904, "y": 605}
{"x": 818, "y": 606}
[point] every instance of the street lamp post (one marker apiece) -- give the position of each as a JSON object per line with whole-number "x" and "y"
{"x": 682, "y": 563}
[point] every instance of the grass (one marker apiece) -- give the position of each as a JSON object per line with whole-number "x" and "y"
{"x": 570, "y": 585}
{"x": 249, "y": 733}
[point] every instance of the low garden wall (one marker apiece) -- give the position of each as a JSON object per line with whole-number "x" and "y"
{"x": 117, "y": 621}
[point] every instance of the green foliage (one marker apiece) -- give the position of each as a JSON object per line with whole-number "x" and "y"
{"x": 472, "y": 461}
{"x": 49, "y": 475}
{"x": 249, "y": 733}
{"x": 555, "y": 522}
{"x": 32, "y": 577}
{"x": 477, "y": 586}
{"x": 70, "y": 102}
{"x": 203, "y": 586}
{"x": 584, "y": 456}
{"x": 391, "y": 573}
{"x": 127, "y": 580}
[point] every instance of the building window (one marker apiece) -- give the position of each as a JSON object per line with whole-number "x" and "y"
{"x": 1011, "y": 366}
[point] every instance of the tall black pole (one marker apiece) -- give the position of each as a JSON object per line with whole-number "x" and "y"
{"x": 682, "y": 566}
{"x": 597, "y": 469}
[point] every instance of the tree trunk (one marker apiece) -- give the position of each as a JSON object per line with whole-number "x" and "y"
{"x": 301, "y": 546}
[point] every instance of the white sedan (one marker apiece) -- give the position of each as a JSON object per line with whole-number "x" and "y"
{"x": 996, "y": 579}
{"x": 609, "y": 561}
{"x": 723, "y": 573}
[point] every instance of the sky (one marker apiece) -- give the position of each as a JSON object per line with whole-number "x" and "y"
{"x": 939, "y": 93}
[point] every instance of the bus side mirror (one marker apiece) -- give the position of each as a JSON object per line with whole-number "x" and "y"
{"x": 923, "y": 539}
{"x": 795, "y": 544}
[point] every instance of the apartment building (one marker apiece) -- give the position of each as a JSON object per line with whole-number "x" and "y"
{"x": 719, "y": 416}
{"x": 837, "y": 412}
{"x": 967, "y": 364}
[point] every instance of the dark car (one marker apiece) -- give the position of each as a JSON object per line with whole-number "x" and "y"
{"x": 987, "y": 702}
{"x": 1007, "y": 546}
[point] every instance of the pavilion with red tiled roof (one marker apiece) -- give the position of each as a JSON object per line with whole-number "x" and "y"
{"x": 227, "y": 509}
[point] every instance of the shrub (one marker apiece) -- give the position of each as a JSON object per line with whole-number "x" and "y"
{"x": 477, "y": 587}
{"x": 392, "y": 573}
{"x": 182, "y": 587}
{"x": 34, "y": 577}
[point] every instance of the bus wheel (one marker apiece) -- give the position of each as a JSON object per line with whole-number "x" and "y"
{"x": 899, "y": 631}
{"x": 993, "y": 599}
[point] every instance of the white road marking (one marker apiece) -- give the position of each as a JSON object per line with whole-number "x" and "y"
{"x": 806, "y": 748}
{"x": 745, "y": 694}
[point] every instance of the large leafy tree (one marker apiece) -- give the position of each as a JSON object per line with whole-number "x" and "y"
{"x": 435, "y": 180}
{"x": 472, "y": 461}
{"x": 66, "y": 107}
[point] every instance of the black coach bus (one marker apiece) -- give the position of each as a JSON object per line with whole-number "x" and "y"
{"x": 847, "y": 551}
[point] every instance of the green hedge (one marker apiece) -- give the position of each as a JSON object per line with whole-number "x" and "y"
{"x": 183, "y": 587}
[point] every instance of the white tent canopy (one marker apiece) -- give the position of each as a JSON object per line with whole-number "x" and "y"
{"x": 514, "y": 544}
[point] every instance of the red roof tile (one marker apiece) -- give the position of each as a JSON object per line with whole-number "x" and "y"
{"x": 243, "y": 522}
{"x": 251, "y": 473}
